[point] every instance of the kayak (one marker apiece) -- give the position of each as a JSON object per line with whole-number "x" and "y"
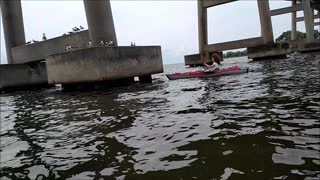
{"x": 204, "y": 74}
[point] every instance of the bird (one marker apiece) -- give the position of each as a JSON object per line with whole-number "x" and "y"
{"x": 131, "y": 43}
{"x": 68, "y": 47}
{"x": 81, "y": 27}
{"x": 101, "y": 43}
{"x": 34, "y": 41}
{"x": 70, "y": 32}
{"x": 89, "y": 44}
{"x": 64, "y": 34}
{"x": 75, "y": 29}
{"x": 134, "y": 44}
{"x": 29, "y": 42}
{"x": 110, "y": 43}
{"x": 44, "y": 37}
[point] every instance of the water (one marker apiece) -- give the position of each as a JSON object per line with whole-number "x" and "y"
{"x": 260, "y": 125}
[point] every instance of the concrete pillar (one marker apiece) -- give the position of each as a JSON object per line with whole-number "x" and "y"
{"x": 202, "y": 26}
{"x": 294, "y": 22}
{"x": 308, "y": 19}
{"x": 13, "y": 28}
{"x": 100, "y": 21}
{"x": 265, "y": 21}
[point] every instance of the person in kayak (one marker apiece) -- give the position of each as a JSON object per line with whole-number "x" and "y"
{"x": 212, "y": 65}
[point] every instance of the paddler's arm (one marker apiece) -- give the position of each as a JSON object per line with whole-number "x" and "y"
{"x": 209, "y": 66}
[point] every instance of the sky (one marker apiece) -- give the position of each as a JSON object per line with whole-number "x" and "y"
{"x": 171, "y": 24}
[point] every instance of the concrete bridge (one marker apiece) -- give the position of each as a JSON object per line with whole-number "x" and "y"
{"x": 262, "y": 47}
{"x": 47, "y": 62}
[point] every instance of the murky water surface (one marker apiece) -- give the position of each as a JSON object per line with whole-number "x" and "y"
{"x": 260, "y": 125}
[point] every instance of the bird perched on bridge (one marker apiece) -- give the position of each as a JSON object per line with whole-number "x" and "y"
{"x": 102, "y": 43}
{"x": 81, "y": 27}
{"x": 75, "y": 29}
{"x": 44, "y": 37}
{"x": 68, "y": 47}
{"x": 110, "y": 43}
{"x": 29, "y": 42}
{"x": 89, "y": 44}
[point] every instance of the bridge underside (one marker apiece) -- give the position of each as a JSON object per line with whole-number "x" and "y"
{"x": 262, "y": 47}
{"x": 87, "y": 62}
{"x": 26, "y": 67}
{"x": 48, "y": 62}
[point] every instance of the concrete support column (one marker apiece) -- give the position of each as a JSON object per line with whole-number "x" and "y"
{"x": 294, "y": 22}
{"x": 100, "y": 21}
{"x": 265, "y": 21}
{"x": 202, "y": 26}
{"x": 12, "y": 25}
{"x": 308, "y": 19}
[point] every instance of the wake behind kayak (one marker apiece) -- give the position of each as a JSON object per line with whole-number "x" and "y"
{"x": 203, "y": 74}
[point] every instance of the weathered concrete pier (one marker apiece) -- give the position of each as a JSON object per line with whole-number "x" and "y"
{"x": 12, "y": 26}
{"x": 87, "y": 64}
{"x": 96, "y": 64}
{"x": 262, "y": 47}
{"x": 13, "y": 75}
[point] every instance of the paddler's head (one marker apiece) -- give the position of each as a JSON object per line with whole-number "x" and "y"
{"x": 216, "y": 58}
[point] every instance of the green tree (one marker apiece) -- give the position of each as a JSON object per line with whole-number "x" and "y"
{"x": 231, "y": 54}
{"x": 286, "y": 36}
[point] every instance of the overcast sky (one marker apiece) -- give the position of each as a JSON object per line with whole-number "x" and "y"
{"x": 171, "y": 24}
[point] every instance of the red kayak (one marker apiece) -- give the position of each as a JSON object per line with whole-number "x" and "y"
{"x": 203, "y": 74}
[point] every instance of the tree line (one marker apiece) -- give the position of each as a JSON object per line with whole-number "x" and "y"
{"x": 286, "y": 36}
{"x": 232, "y": 54}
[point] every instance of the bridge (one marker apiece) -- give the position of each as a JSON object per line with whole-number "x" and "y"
{"x": 82, "y": 66}
{"x": 90, "y": 65}
{"x": 262, "y": 47}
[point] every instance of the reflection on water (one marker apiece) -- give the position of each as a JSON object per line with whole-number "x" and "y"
{"x": 261, "y": 124}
